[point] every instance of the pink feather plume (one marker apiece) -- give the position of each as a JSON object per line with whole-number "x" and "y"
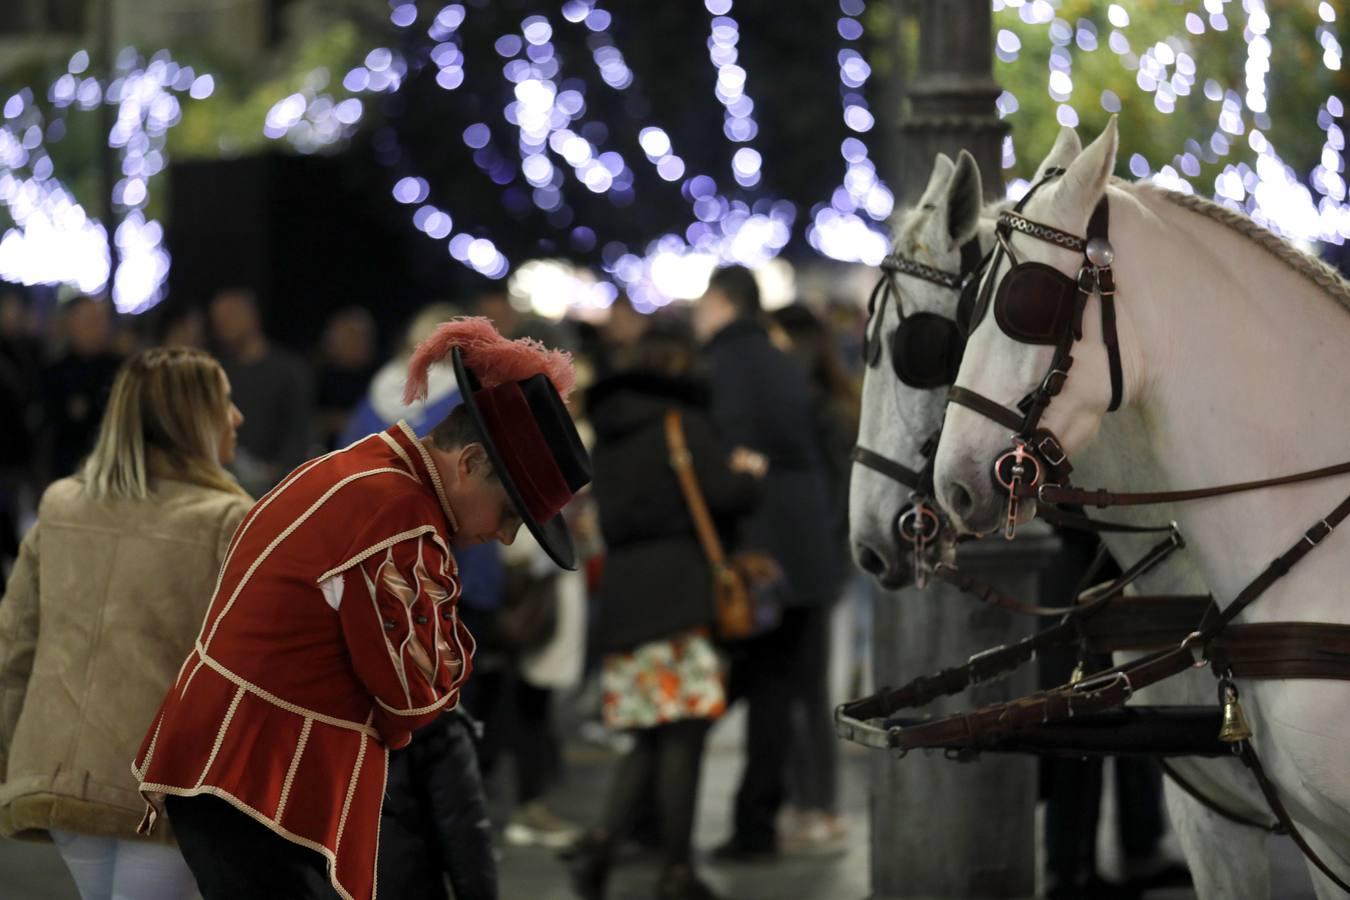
{"x": 493, "y": 359}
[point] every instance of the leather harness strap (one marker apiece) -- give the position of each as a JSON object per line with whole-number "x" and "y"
{"x": 985, "y": 407}
{"x": 1213, "y": 807}
{"x": 989, "y": 594}
{"x": 1063, "y": 518}
{"x": 1100, "y": 692}
{"x": 1280, "y": 650}
{"x": 1099, "y": 226}
{"x": 1105, "y": 627}
{"x": 1102, "y": 498}
{"x": 1276, "y": 570}
{"x": 1145, "y": 622}
{"x": 1107, "y": 287}
{"x": 886, "y": 466}
{"x": 1103, "y": 618}
{"x": 1249, "y": 757}
{"x": 1283, "y": 650}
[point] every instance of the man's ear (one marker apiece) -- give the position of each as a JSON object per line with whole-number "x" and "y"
{"x": 464, "y": 461}
{"x": 473, "y": 460}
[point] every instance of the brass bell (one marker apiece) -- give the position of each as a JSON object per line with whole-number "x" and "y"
{"x": 1235, "y": 728}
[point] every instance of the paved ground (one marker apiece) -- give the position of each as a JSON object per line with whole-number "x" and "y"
{"x": 535, "y": 875}
{"x": 35, "y": 872}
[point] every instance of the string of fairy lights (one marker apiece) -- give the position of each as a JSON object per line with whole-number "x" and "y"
{"x": 55, "y": 239}
{"x": 548, "y": 144}
{"x": 549, "y": 115}
{"x": 836, "y": 230}
{"x": 1268, "y": 189}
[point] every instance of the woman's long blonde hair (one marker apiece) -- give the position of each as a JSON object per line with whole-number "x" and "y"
{"x": 165, "y": 417}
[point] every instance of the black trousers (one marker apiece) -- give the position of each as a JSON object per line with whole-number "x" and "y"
{"x": 517, "y": 721}
{"x": 767, "y": 672}
{"x": 813, "y": 757}
{"x": 234, "y": 856}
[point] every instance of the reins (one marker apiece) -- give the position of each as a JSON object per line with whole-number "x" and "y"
{"x": 1102, "y": 498}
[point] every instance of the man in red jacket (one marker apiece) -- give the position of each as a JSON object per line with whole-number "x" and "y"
{"x": 333, "y": 632}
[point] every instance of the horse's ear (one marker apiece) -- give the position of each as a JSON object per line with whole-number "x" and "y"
{"x": 943, "y": 167}
{"x": 1086, "y": 178}
{"x": 1066, "y": 149}
{"x": 932, "y": 197}
{"x": 965, "y": 194}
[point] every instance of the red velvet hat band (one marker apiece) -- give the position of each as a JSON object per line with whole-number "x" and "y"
{"x": 529, "y": 461}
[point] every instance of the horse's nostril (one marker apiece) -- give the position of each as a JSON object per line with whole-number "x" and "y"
{"x": 871, "y": 562}
{"x": 961, "y": 499}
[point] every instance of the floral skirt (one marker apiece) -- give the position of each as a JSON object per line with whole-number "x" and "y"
{"x": 663, "y": 681}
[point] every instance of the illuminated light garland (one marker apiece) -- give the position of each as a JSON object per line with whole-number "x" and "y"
{"x": 544, "y": 113}
{"x": 1268, "y": 190}
{"x": 555, "y": 287}
{"x": 723, "y": 230}
{"x": 384, "y": 72}
{"x": 738, "y": 123}
{"x": 836, "y": 230}
{"x": 54, "y": 240}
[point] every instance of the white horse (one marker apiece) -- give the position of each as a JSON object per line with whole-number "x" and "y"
{"x": 897, "y": 418}
{"x": 1226, "y": 859}
{"x": 1235, "y": 351}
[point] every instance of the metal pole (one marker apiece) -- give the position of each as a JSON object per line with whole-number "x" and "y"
{"x": 946, "y": 830}
{"x": 107, "y": 155}
{"x": 942, "y": 829}
{"x": 893, "y": 94}
{"x": 951, "y": 97}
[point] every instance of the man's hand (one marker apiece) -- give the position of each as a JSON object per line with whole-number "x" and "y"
{"x": 748, "y": 462}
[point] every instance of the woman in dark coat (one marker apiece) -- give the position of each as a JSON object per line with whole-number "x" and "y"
{"x": 661, "y": 674}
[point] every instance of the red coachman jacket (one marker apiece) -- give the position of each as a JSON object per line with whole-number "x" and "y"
{"x": 302, "y": 680}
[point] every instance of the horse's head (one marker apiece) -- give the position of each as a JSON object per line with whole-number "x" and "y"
{"x": 1025, "y": 321}
{"x": 913, "y": 348}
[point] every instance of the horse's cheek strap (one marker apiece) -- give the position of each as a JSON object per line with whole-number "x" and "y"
{"x": 1112, "y": 350}
{"x": 1100, "y": 226}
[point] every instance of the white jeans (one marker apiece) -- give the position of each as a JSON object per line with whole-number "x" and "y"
{"x": 109, "y": 869}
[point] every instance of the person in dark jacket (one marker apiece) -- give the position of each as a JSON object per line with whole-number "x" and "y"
{"x": 762, "y": 399}
{"x": 20, "y": 387}
{"x": 661, "y": 674}
{"x": 76, "y": 385}
{"x": 812, "y": 825}
{"x": 273, "y": 387}
{"x": 434, "y": 821}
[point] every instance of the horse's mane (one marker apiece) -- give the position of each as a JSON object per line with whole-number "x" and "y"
{"x": 1315, "y": 270}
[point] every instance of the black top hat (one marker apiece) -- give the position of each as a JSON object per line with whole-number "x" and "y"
{"x": 535, "y": 450}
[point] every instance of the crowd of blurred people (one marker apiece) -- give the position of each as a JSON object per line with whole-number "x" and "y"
{"x": 770, "y": 409}
{"x": 139, "y": 453}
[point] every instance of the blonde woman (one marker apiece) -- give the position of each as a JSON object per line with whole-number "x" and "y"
{"x": 101, "y": 608}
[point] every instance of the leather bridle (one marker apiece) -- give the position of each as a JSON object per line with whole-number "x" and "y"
{"x": 920, "y": 523}
{"x": 1037, "y": 457}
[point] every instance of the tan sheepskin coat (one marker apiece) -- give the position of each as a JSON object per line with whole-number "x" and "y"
{"x": 100, "y": 611}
